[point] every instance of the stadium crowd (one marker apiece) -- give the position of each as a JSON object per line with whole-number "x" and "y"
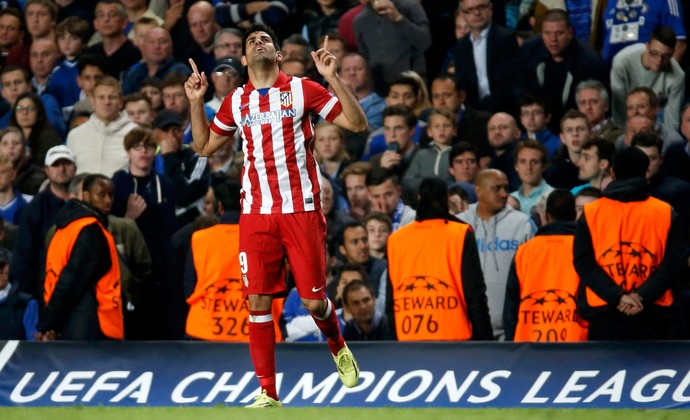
{"x": 531, "y": 124}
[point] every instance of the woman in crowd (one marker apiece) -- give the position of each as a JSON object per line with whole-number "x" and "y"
{"x": 29, "y": 115}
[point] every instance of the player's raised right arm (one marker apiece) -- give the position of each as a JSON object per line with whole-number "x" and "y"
{"x": 205, "y": 141}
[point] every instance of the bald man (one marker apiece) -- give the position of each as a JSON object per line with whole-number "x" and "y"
{"x": 157, "y": 61}
{"x": 201, "y": 18}
{"x": 503, "y": 134}
{"x": 498, "y": 230}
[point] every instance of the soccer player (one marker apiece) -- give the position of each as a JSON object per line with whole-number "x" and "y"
{"x": 280, "y": 205}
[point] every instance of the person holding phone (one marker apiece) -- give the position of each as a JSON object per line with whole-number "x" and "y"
{"x": 399, "y": 124}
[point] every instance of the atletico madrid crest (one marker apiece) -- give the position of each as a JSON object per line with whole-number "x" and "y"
{"x": 286, "y": 99}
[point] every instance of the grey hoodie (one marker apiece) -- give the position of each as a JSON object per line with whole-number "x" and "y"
{"x": 497, "y": 240}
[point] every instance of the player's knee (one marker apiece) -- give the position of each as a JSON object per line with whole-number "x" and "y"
{"x": 316, "y": 307}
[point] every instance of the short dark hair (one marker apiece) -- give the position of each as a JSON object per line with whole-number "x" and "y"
{"x": 91, "y": 179}
{"x": 339, "y": 238}
{"x": 630, "y": 163}
{"x": 647, "y": 139}
{"x": 259, "y": 27}
{"x": 433, "y": 199}
{"x": 11, "y": 68}
{"x": 605, "y": 149}
{"x": 665, "y": 35}
{"x": 589, "y": 192}
{"x": 448, "y": 78}
{"x": 94, "y": 60}
{"x": 12, "y": 11}
{"x": 74, "y": 25}
{"x": 573, "y": 114}
{"x": 529, "y": 99}
{"x": 227, "y": 193}
{"x": 176, "y": 78}
{"x": 651, "y": 95}
{"x": 381, "y": 217}
{"x": 560, "y": 205}
{"x": 557, "y": 15}
{"x": 401, "y": 111}
{"x": 460, "y": 148}
{"x": 136, "y": 97}
{"x": 378, "y": 176}
{"x": 403, "y": 80}
{"x": 48, "y": 4}
{"x": 356, "y": 285}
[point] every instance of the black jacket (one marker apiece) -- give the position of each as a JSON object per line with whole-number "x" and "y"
{"x": 501, "y": 52}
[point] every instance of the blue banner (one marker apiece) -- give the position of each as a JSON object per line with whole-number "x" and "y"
{"x": 602, "y": 375}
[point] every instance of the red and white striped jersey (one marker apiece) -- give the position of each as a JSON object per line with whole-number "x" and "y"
{"x": 280, "y": 174}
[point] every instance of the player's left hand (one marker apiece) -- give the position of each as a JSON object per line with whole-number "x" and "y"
{"x": 325, "y": 61}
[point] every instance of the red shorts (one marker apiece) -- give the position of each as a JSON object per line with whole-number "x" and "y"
{"x": 266, "y": 240}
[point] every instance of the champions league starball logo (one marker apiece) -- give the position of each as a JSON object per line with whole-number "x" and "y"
{"x": 553, "y": 298}
{"x": 416, "y": 284}
{"x": 223, "y": 286}
{"x": 630, "y": 260}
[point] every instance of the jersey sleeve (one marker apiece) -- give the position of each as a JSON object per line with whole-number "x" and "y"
{"x": 224, "y": 123}
{"x": 321, "y": 101}
{"x": 673, "y": 17}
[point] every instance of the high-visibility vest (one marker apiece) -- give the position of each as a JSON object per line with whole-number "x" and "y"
{"x": 108, "y": 288}
{"x": 217, "y": 309}
{"x": 548, "y": 290}
{"x": 629, "y": 241}
{"x": 425, "y": 267}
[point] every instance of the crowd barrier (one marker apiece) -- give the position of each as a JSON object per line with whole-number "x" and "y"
{"x": 580, "y": 375}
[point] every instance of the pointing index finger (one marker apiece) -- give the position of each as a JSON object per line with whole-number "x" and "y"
{"x": 325, "y": 43}
{"x": 195, "y": 70}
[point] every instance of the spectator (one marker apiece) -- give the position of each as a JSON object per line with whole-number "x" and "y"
{"x": 147, "y": 198}
{"x": 433, "y": 159}
{"x": 470, "y": 124}
{"x": 226, "y": 77}
{"x": 174, "y": 99}
{"x": 118, "y": 51}
{"x": 41, "y": 16}
{"x": 463, "y": 163}
{"x": 352, "y": 244}
{"x": 139, "y": 109}
{"x": 28, "y": 259}
{"x": 584, "y": 197}
{"x": 157, "y": 61}
{"x": 188, "y": 171}
{"x": 336, "y": 217}
{"x": 593, "y": 100}
{"x": 42, "y": 57}
{"x": 336, "y": 46}
{"x": 383, "y": 188}
{"x": 276, "y": 14}
{"x": 630, "y": 24}
{"x": 353, "y": 178}
{"x": 136, "y": 10}
{"x": 595, "y": 164}
{"x": 393, "y": 37}
{"x": 563, "y": 170}
{"x": 379, "y": 227}
{"x": 19, "y": 311}
{"x": 367, "y": 323}
{"x": 72, "y": 34}
{"x": 634, "y": 303}
{"x": 534, "y": 117}
{"x": 634, "y": 125}
{"x": 503, "y": 135}
{"x": 677, "y": 156}
{"x": 296, "y": 47}
{"x": 13, "y": 29}
{"x": 542, "y": 289}
{"x": 674, "y": 191}
{"x": 643, "y": 101}
{"x": 227, "y": 42}
{"x": 203, "y": 27}
{"x": 545, "y": 64}
{"x": 11, "y": 200}
{"x": 458, "y": 199}
{"x": 29, "y": 177}
{"x": 293, "y": 66}
{"x": 401, "y": 91}
{"x": 355, "y": 71}
{"x": 29, "y": 115}
{"x": 152, "y": 86}
{"x": 484, "y": 59}
{"x": 91, "y": 69}
{"x": 142, "y": 25}
{"x": 213, "y": 275}
{"x": 651, "y": 65}
{"x": 330, "y": 154}
{"x": 499, "y": 231}
{"x": 82, "y": 290}
{"x": 322, "y": 19}
{"x": 530, "y": 161}
{"x": 97, "y": 144}
{"x": 437, "y": 276}
{"x": 399, "y": 125}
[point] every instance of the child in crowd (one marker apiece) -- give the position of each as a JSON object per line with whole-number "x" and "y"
{"x": 379, "y": 226}
{"x": 535, "y": 117}
{"x": 72, "y": 34}
{"x": 153, "y": 88}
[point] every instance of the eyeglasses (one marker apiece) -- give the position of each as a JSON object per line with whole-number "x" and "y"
{"x": 477, "y": 9}
{"x": 657, "y": 54}
{"x": 140, "y": 146}
{"x": 29, "y": 108}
